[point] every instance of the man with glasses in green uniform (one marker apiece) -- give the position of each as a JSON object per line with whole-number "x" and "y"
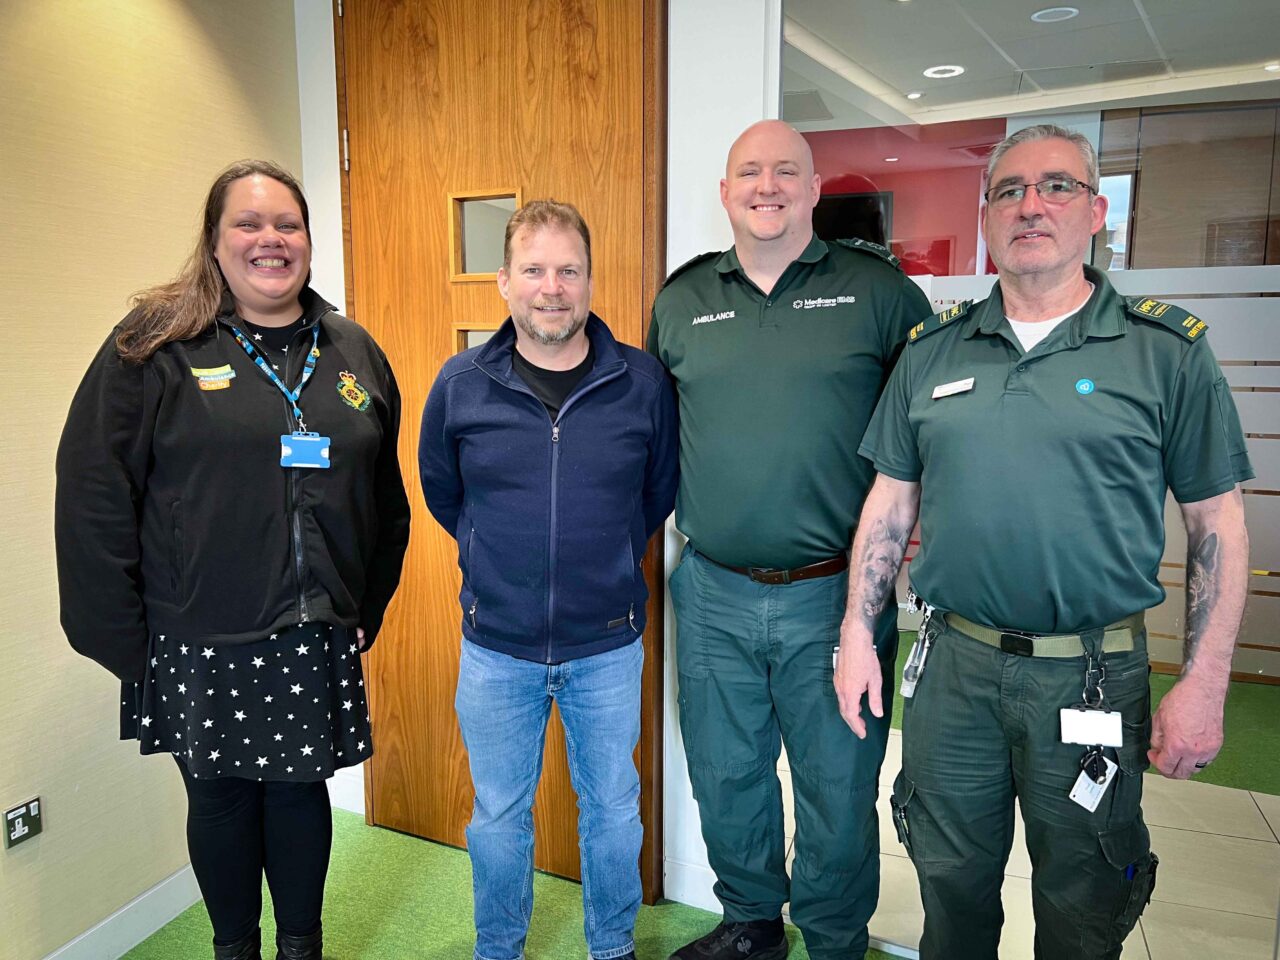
{"x": 779, "y": 348}
{"x": 1035, "y": 434}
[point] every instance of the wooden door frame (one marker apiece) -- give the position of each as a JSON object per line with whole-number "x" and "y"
{"x": 653, "y": 272}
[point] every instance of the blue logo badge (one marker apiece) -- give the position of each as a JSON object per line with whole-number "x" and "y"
{"x": 1084, "y": 386}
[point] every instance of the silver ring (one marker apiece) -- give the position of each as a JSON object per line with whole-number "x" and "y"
{"x": 1201, "y": 766}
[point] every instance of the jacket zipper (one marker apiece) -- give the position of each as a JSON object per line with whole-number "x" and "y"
{"x": 295, "y": 518}
{"x": 472, "y": 612}
{"x": 521, "y": 387}
{"x": 551, "y": 562}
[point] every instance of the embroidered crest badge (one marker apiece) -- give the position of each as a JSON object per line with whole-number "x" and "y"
{"x": 353, "y": 395}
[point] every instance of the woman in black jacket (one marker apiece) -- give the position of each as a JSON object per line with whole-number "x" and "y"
{"x": 230, "y": 524}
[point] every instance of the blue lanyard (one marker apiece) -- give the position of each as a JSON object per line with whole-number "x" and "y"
{"x": 291, "y": 395}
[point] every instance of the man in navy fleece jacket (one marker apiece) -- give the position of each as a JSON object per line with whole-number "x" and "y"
{"x": 550, "y": 454}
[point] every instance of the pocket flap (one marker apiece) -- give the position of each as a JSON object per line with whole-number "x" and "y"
{"x": 903, "y": 790}
{"x": 1125, "y": 845}
{"x": 1132, "y": 757}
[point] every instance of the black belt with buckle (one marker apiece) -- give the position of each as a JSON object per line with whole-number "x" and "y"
{"x": 775, "y": 576}
{"x": 1020, "y": 644}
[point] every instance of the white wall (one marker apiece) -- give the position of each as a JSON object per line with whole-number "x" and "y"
{"x": 724, "y": 73}
{"x": 321, "y": 176}
{"x": 321, "y": 171}
{"x": 118, "y": 117}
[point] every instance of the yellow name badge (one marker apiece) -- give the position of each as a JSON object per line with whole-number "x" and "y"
{"x": 214, "y": 378}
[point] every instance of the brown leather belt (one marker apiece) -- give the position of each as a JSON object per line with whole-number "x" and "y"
{"x": 775, "y": 576}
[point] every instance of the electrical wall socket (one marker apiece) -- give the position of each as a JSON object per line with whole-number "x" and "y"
{"x": 22, "y": 822}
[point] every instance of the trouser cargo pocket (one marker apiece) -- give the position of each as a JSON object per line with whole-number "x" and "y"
{"x": 899, "y": 801}
{"x": 1128, "y": 849}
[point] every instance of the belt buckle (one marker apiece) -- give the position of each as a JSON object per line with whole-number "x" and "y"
{"x": 769, "y": 575}
{"x": 1019, "y": 644}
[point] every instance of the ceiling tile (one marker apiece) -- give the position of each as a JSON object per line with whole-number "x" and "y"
{"x": 1118, "y": 42}
{"x": 920, "y": 29}
{"x": 1232, "y": 14}
{"x": 1060, "y": 78}
{"x": 1183, "y": 37}
{"x": 1007, "y": 20}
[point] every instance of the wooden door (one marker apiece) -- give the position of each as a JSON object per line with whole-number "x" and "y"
{"x": 550, "y": 99}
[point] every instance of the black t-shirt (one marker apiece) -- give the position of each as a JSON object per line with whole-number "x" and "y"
{"x": 273, "y": 339}
{"x": 553, "y": 387}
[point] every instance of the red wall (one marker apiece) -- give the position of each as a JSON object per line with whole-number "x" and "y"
{"x": 937, "y": 191}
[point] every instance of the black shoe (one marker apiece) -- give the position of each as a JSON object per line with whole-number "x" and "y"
{"x": 756, "y": 940}
{"x": 250, "y": 948}
{"x": 299, "y": 948}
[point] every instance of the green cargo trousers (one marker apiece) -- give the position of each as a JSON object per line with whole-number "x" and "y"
{"x": 982, "y": 729}
{"x": 755, "y": 669}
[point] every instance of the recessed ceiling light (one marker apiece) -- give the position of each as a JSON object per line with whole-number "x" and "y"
{"x": 944, "y": 71}
{"x": 1273, "y": 67}
{"x": 1054, "y": 14}
{"x": 914, "y": 95}
{"x": 890, "y": 159}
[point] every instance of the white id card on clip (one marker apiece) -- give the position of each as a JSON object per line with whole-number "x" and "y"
{"x": 1091, "y": 728}
{"x": 1088, "y": 792}
{"x": 956, "y": 386}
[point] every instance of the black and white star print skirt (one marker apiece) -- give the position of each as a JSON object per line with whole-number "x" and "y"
{"x": 290, "y": 707}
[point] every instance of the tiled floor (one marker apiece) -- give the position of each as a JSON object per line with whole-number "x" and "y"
{"x": 1216, "y": 896}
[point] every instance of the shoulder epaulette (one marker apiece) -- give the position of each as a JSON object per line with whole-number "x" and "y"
{"x": 1175, "y": 318}
{"x": 875, "y": 249}
{"x": 938, "y": 321}
{"x": 689, "y": 263}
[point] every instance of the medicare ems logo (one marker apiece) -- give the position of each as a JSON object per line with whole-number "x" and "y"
{"x": 713, "y": 317}
{"x": 820, "y": 302}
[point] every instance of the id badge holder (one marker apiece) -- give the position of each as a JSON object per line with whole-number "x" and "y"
{"x": 1090, "y": 723}
{"x": 1091, "y": 726}
{"x": 303, "y": 449}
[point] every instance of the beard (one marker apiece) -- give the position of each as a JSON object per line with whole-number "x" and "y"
{"x": 528, "y": 322}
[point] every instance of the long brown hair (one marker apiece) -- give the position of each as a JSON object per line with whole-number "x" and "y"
{"x": 187, "y": 305}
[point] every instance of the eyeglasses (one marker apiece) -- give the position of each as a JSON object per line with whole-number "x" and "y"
{"x": 1054, "y": 190}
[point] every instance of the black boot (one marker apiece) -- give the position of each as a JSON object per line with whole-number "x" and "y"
{"x": 299, "y": 948}
{"x": 249, "y": 948}
{"x": 755, "y": 940}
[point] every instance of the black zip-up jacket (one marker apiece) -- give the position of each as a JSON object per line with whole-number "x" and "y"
{"x": 174, "y": 515}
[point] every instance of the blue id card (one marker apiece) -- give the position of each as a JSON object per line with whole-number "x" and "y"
{"x": 304, "y": 450}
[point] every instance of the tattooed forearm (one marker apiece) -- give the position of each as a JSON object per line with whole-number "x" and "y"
{"x": 1202, "y": 593}
{"x": 881, "y": 557}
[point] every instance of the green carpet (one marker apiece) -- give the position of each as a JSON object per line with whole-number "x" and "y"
{"x": 395, "y": 897}
{"x": 1250, "y": 757}
{"x": 391, "y": 896}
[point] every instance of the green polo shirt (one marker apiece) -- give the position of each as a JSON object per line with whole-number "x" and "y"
{"x": 1042, "y": 486}
{"x": 775, "y": 391}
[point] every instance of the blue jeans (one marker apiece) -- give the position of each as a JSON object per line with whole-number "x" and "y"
{"x": 503, "y": 704}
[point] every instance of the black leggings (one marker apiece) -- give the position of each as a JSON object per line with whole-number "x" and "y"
{"x": 237, "y": 829}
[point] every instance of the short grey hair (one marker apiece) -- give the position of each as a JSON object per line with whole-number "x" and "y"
{"x": 1048, "y": 131}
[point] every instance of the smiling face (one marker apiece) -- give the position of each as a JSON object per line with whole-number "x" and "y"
{"x": 769, "y": 189}
{"x": 1032, "y": 237}
{"x": 546, "y": 285}
{"x": 263, "y": 249}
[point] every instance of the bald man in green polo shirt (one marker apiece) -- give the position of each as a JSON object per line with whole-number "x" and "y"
{"x": 779, "y": 348}
{"x": 1035, "y": 434}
